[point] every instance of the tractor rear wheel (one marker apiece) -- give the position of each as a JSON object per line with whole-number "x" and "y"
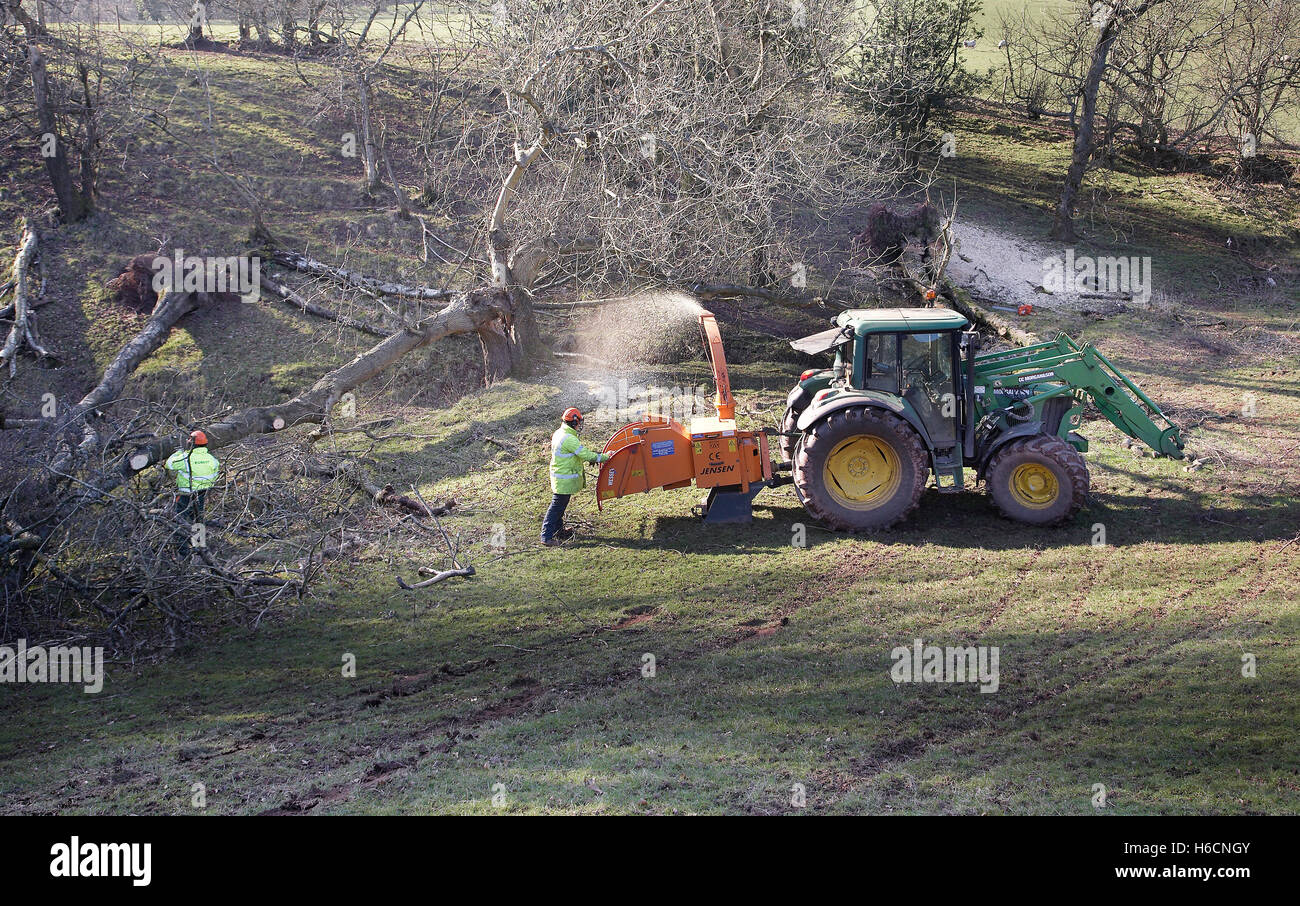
{"x": 1041, "y": 480}
{"x": 860, "y": 469}
{"x": 789, "y": 438}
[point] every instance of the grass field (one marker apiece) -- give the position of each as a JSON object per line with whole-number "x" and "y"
{"x": 1120, "y": 664}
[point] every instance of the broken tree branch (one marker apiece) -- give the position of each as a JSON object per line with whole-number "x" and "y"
{"x": 285, "y": 294}
{"x": 23, "y": 333}
{"x": 437, "y": 577}
{"x": 350, "y": 470}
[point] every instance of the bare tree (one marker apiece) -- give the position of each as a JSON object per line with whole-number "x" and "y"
{"x": 671, "y": 143}
{"x": 1108, "y": 18}
{"x": 78, "y": 97}
{"x": 360, "y": 44}
{"x": 1257, "y": 76}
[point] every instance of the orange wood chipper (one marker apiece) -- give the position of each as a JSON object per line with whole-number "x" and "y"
{"x": 658, "y": 452}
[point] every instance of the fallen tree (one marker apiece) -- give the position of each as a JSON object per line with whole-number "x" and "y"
{"x": 468, "y": 313}
{"x": 82, "y": 418}
{"x": 91, "y": 490}
{"x": 343, "y": 275}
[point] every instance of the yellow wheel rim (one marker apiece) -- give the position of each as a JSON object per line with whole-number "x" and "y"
{"x": 862, "y": 472}
{"x": 1034, "y": 485}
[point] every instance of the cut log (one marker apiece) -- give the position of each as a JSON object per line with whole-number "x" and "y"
{"x": 982, "y": 317}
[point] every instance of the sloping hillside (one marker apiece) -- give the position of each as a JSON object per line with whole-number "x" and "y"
{"x": 656, "y": 664}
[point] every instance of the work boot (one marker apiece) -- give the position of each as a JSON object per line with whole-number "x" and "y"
{"x": 566, "y": 534}
{"x": 551, "y": 542}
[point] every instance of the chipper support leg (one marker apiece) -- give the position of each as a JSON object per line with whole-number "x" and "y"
{"x": 730, "y": 504}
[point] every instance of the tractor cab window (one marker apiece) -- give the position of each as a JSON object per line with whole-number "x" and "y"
{"x": 928, "y": 383}
{"x": 880, "y": 371}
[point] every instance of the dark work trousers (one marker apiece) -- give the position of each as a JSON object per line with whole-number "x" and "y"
{"x": 190, "y": 508}
{"x": 555, "y": 516}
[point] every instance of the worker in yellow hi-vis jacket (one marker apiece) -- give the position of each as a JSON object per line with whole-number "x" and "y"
{"x": 567, "y": 478}
{"x": 196, "y": 470}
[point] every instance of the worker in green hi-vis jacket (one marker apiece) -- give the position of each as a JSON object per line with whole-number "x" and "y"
{"x": 567, "y": 478}
{"x": 196, "y": 470}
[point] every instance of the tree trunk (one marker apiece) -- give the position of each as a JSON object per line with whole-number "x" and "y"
{"x": 170, "y": 308}
{"x": 352, "y": 278}
{"x": 367, "y": 134}
{"x": 1119, "y": 14}
{"x": 1063, "y": 226}
{"x": 313, "y": 22}
{"x": 288, "y": 27}
{"x": 91, "y": 149}
{"x": 22, "y": 333}
{"x": 73, "y": 203}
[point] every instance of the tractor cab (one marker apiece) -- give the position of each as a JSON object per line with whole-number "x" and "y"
{"x": 912, "y": 353}
{"x": 908, "y": 359}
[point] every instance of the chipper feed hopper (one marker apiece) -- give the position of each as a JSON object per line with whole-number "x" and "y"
{"x": 710, "y": 453}
{"x": 908, "y": 397}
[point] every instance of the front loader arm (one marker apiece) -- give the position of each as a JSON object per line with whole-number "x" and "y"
{"x": 1087, "y": 373}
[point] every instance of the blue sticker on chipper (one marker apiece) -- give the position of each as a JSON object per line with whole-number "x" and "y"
{"x": 661, "y": 448}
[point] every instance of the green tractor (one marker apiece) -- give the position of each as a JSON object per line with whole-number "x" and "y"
{"x": 909, "y": 395}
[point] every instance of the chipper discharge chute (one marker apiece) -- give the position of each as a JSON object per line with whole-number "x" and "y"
{"x": 658, "y": 452}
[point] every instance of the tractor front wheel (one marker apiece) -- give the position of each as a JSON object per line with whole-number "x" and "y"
{"x": 1041, "y": 480}
{"x": 860, "y": 469}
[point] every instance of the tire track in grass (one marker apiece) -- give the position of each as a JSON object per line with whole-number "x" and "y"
{"x": 454, "y": 729}
{"x": 891, "y": 754}
{"x": 1092, "y": 574}
{"x": 895, "y": 753}
{"x": 1005, "y": 601}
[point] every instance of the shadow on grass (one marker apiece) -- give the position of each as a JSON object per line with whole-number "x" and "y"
{"x": 969, "y": 520}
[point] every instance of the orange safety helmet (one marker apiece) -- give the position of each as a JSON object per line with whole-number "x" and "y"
{"x": 571, "y": 415}
{"x": 200, "y": 439}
